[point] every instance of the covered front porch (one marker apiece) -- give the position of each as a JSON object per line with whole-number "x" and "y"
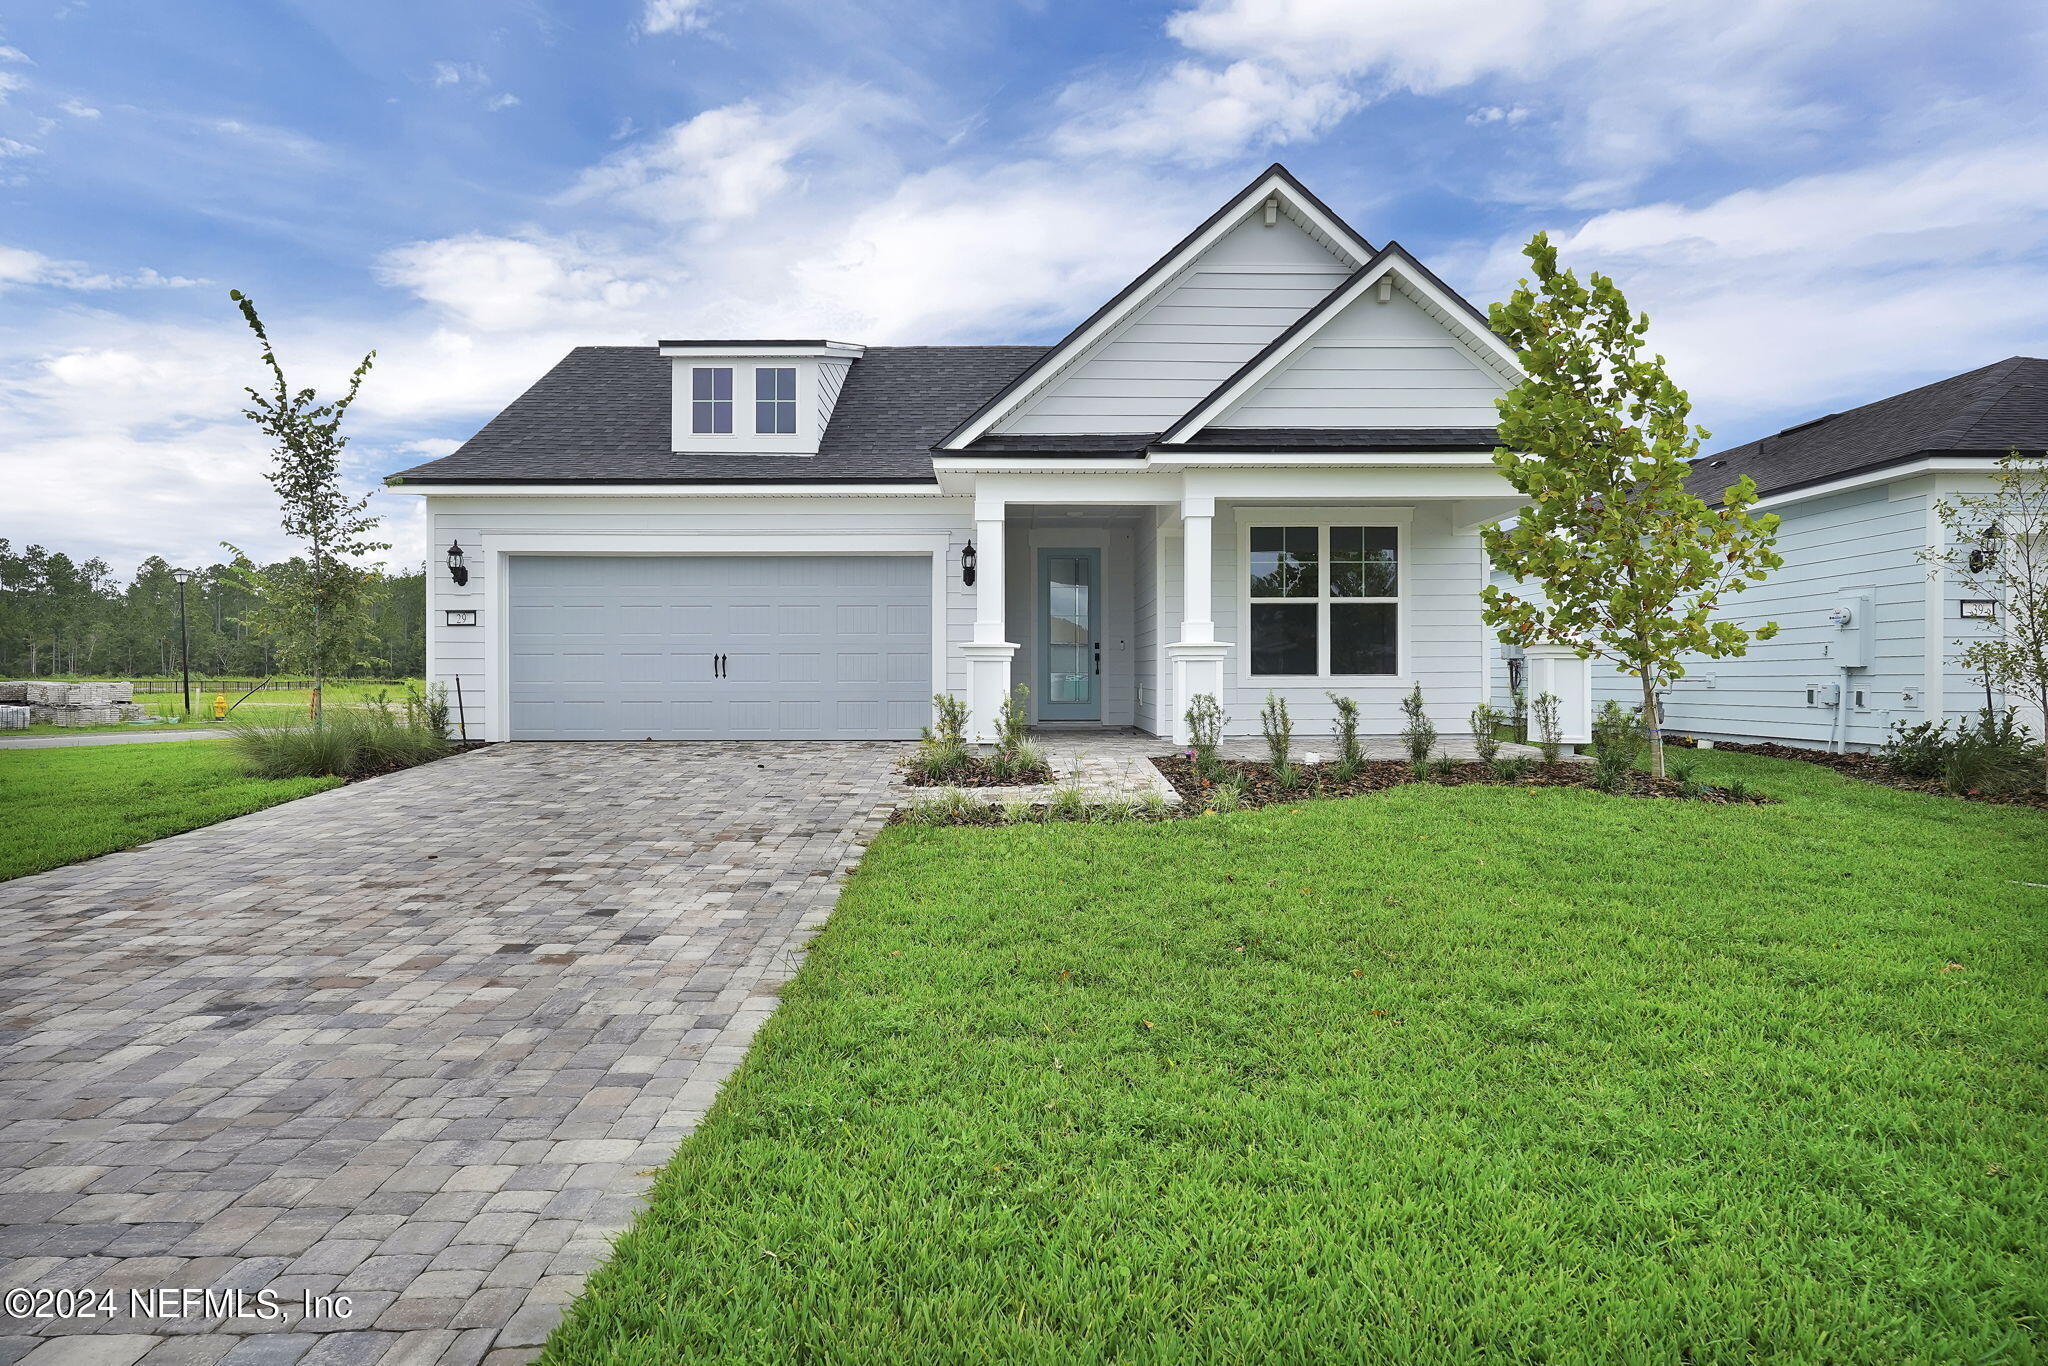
{"x": 1117, "y": 597}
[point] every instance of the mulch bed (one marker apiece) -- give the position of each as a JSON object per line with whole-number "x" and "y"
{"x": 455, "y": 747}
{"x": 1872, "y": 768}
{"x": 977, "y": 773}
{"x": 1319, "y": 780}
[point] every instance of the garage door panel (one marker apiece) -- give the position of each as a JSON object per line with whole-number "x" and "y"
{"x": 621, "y": 647}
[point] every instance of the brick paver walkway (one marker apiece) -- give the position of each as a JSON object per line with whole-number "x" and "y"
{"x": 417, "y": 1042}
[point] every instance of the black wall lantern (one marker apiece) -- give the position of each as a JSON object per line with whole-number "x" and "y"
{"x": 456, "y": 571}
{"x": 1986, "y": 553}
{"x": 967, "y": 558}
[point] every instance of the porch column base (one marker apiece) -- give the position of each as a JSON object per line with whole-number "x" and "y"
{"x": 988, "y": 683}
{"x": 1558, "y": 670}
{"x": 1197, "y": 668}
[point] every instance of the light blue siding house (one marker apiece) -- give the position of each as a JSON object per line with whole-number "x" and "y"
{"x": 1868, "y": 636}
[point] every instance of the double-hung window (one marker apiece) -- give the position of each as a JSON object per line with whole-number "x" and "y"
{"x": 1325, "y": 601}
{"x": 711, "y": 400}
{"x": 775, "y": 400}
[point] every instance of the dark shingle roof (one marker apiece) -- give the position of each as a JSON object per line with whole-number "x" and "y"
{"x": 1984, "y": 411}
{"x": 602, "y": 416}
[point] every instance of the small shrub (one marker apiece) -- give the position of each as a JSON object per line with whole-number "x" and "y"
{"x": 427, "y": 711}
{"x": 1205, "y": 719}
{"x": 1690, "y": 786}
{"x": 1278, "y": 729}
{"x": 1739, "y": 791}
{"x": 1549, "y": 725}
{"x": 1683, "y": 770}
{"x": 942, "y": 751}
{"x": 1226, "y": 797}
{"x": 938, "y": 810}
{"x": 949, "y": 720}
{"x": 1349, "y": 750}
{"x": 1420, "y": 731}
{"x": 1618, "y": 740}
{"x": 1344, "y": 770}
{"x": 1486, "y": 723}
{"x": 1418, "y": 769}
{"x": 1287, "y": 778}
{"x": 1015, "y": 764}
{"x": 1994, "y": 754}
{"x": 1010, "y": 723}
{"x": 1510, "y": 767}
{"x": 1442, "y": 766}
{"x": 1019, "y": 813}
{"x": 1154, "y": 806}
{"x": 1916, "y": 751}
{"x": 1112, "y": 812}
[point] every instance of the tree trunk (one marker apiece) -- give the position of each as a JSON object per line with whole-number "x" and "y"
{"x": 1656, "y": 731}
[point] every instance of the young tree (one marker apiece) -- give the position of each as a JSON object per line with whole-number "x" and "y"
{"x": 1597, "y": 438}
{"x": 316, "y": 607}
{"x": 1996, "y": 544}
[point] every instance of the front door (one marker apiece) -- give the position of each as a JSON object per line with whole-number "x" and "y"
{"x": 1070, "y": 635}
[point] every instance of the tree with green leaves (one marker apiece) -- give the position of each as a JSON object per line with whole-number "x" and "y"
{"x": 1996, "y": 545}
{"x": 315, "y": 605}
{"x": 1597, "y": 438}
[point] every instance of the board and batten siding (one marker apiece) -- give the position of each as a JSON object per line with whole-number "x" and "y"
{"x": 1375, "y": 365}
{"x": 457, "y": 652}
{"x": 1245, "y": 290}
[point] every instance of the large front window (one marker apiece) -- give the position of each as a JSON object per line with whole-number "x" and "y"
{"x": 1324, "y": 600}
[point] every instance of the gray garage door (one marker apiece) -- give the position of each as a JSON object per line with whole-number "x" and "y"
{"x": 819, "y": 647}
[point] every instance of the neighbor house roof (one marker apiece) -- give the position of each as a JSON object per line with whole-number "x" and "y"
{"x": 1981, "y": 412}
{"x": 602, "y": 416}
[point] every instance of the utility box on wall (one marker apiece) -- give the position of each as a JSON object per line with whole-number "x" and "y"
{"x": 1850, "y": 617}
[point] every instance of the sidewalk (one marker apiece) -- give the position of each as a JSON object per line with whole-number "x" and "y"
{"x": 110, "y": 737}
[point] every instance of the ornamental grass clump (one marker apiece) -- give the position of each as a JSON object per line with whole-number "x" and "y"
{"x": 1420, "y": 732}
{"x": 348, "y": 742}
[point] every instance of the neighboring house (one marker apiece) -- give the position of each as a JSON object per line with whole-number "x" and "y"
{"x": 1261, "y": 466}
{"x": 1867, "y": 635}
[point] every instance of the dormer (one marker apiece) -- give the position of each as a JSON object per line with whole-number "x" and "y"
{"x": 754, "y": 397}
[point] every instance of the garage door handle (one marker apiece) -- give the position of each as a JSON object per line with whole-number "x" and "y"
{"x": 718, "y": 666}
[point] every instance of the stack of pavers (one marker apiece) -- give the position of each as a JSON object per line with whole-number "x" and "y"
{"x": 71, "y": 704}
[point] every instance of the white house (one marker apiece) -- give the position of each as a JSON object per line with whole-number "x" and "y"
{"x": 1261, "y": 466}
{"x": 1868, "y": 635}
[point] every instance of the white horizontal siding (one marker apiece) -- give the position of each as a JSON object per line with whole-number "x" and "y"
{"x": 1375, "y": 365}
{"x": 1246, "y": 289}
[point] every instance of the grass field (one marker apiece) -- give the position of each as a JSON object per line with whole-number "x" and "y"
{"x": 267, "y": 704}
{"x": 58, "y": 806}
{"x": 1439, "y": 1075}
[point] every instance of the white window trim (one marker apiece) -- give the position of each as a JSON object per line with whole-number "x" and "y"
{"x": 731, "y": 400}
{"x": 1323, "y": 518}
{"x": 795, "y": 400}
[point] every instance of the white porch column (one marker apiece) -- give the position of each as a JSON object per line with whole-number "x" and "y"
{"x": 1196, "y": 655}
{"x": 988, "y": 654}
{"x": 1559, "y": 671}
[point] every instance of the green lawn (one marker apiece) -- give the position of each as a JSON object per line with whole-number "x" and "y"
{"x": 58, "y": 806}
{"x": 1439, "y": 1075}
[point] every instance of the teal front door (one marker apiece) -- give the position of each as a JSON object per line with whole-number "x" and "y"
{"x": 1070, "y": 635}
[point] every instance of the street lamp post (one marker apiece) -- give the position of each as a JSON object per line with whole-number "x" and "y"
{"x": 184, "y": 576}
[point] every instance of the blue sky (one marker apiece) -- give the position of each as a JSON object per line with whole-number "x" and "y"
{"x": 1819, "y": 202}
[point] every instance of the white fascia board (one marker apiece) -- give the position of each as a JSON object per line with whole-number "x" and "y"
{"x": 1969, "y": 464}
{"x": 830, "y": 350}
{"x": 1491, "y": 350}
{"x": 1248, "y": 202}
{"x": 878, "y": 490}
{"x": 1215, "y": 459}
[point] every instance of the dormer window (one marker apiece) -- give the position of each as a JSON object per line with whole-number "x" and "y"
{"x": 711, "y": 400}
{"x": 774, "y": 400}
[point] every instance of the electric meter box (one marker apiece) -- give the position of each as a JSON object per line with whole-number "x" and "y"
{"x": 1850, "y": 616}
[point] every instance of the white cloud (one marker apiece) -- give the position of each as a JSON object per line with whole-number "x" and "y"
{"x": 78, "y": 109}
{"x": 458, "y": 73}
{"x": 672, "y": 16}
{"x": 9, "y": 83}
{"x": 1202, "y": 114}
{"x": 1825, "y": 287}
{"x": 1626, "y": 83}
{"x": 14, "y": 54}
{"x": 507, "y": 100}
{"x": 20, "y": 266}
{"x": 11, "y": 148}
{"x": 496, "y": 284}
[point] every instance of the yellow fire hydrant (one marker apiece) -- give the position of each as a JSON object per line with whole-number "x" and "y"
{"x": 220, "y": 706}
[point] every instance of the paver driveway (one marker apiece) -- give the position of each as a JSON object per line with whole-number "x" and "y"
{"x": 416, "y": 1041}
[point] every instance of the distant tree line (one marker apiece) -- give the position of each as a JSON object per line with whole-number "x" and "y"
{"x": 64, "y": 616}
